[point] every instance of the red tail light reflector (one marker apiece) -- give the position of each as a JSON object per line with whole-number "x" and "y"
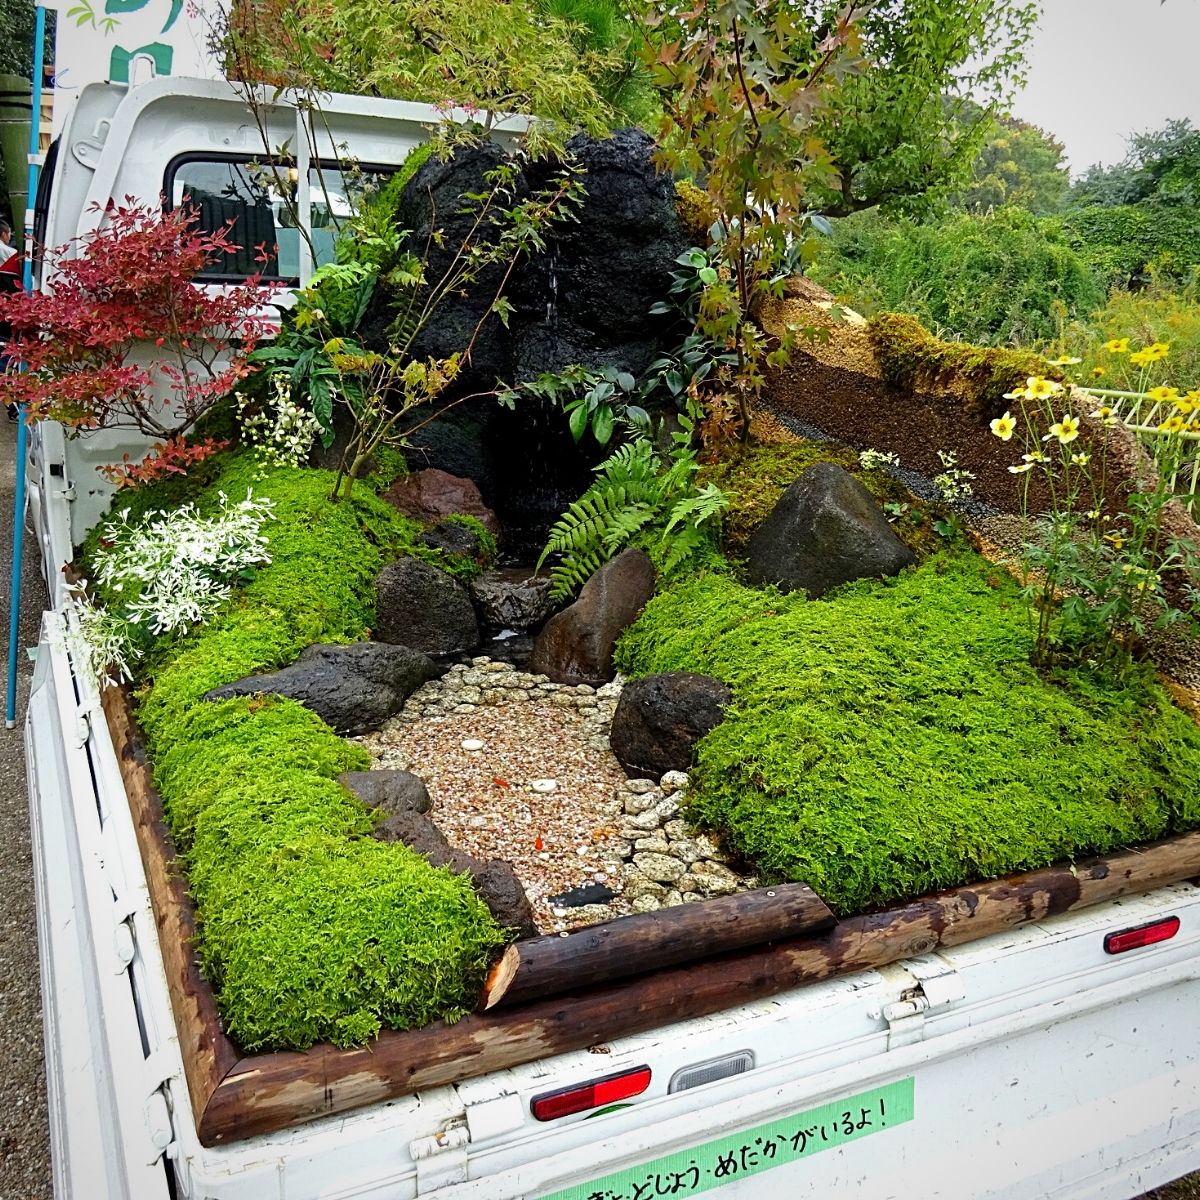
{"x": 593, "y": 1094}
{"x": 1141, "y": 935}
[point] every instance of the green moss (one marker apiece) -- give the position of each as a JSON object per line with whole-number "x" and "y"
{"x": 308, "y": 927}
{"x": 696, "y": 211}
{"x": 753, "y": 477}
{"x": 912, "y": 359}
{"x": 894, "y": 738}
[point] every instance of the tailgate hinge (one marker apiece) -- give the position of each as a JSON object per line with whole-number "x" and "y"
{"x": 441, "y": 1158}
{"x": 936, "y": 989}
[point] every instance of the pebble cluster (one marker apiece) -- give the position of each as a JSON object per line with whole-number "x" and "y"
{"x": 663, "y": 863}
{"x": 520, "y": 768}
{"x": 485, "y": 682}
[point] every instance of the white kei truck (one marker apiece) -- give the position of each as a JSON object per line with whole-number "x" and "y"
{"x": 1057, "y": 1058}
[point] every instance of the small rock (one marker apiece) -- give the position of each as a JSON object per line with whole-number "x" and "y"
{"x": 710, "y": 849}
{"x": 463, "y": 709}
{"x": 660, "y": 867}
{"x": 674, "y": 781}
{"x": 588, "y": 893}
{"x": 691, "y": 897}
{"x": 472, "y": 744}
{"x": 657, "y": 845}
{"x": 590, "y": 914}
{"x": 391, "y": 791}
{"x": 686, "y": 850}
{"x": 673, "y": 899}
{"x": 639, "y": 804}
{"x": 645, "y": 820}
{"x": 667, "y": 809}
{"x": 660, "y": 718}
{"x": 676, "y": 829}
{"x": 646, "y": 904}
{"x": 638, "y": 787}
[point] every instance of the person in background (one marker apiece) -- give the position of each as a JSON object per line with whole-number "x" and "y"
{"x": 10, "y": 281}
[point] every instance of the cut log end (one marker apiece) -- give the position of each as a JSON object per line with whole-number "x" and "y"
{"x": 499, "y": 977}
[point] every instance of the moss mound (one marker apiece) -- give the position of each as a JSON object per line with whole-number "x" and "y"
{"x": 308, "y": 928}
{"x": 894, "y": 739}
{"x": 912, "y": 359}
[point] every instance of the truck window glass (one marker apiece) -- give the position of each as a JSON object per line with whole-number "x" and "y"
{"x": 258, "y": 202}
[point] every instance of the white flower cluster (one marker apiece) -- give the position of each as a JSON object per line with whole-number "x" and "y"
{"x": 873, "y": 460}
{"x": 281, "y": 432}
{"x": 953, "y": 483}
{"x": 165, "y": 572}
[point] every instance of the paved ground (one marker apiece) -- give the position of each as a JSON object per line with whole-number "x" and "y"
{"x": 24, "y": 1150}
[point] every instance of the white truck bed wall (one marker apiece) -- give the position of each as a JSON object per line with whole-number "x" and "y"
{"x": 1041, "y": 1065}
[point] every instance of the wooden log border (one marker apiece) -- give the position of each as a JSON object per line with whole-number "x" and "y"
{"x": 236, "y": 1096}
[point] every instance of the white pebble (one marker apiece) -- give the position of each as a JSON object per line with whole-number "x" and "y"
{"x": 472, "y": 744}
{"x": 543, "y": 786}
{"x": 581, "y": 850}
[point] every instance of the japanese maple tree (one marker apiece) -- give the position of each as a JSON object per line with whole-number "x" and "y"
{"x": 125, "y": 336}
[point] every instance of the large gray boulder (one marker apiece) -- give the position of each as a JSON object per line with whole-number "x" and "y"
{"x": 419, "y": 606}
{"x": 352, "y": 688}
{"x": 576, "y": 645}
{"x": 660, "y": 718}
{"x": 825, "y": 530}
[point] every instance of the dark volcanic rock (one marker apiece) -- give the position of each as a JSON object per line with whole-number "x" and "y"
{"x": 587, "y": 893}
{"x": 660, "y": 718}
{"x": 588, "y": 298}
{"x": 826, "y": 530}
{"x": 576, "y": 646}
{"x": 513, "y": 598}
{"x": 452, "y": 538}
{"x": 431, "y": 494}
{"x": 419, "y": 606}
{"x": 391, "y": 791}
{"x": 353, "y": 688}
{"x": 493, "y": 879}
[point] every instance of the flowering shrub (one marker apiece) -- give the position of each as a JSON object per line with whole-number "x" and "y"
{"x": 173, "y": 457}
{"x": 953, "y": 483}
{"x": 281, "y": 432}
{"x": 125, "y": 286}
{"x": 1095, "y": 579}
{"x": 165, "y": 573}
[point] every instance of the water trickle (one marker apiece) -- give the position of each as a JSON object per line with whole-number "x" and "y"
{"x": 552, "y": 288}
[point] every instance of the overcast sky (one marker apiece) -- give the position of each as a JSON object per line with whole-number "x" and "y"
{"x": 1102, "y": 69}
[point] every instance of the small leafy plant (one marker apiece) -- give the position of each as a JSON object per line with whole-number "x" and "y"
{"x": 1095, "y": 579}
{"x": 166, "y": 572}
{"x": 637, "y": 499}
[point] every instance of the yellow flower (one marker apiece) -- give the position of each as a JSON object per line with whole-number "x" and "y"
{"x": 1064, "y": 361}
{"x": 1172, "y": 425}
{"x": 1162, "y": 393}
{"x": 1081, "y": 460}
{"x": 1037, "y": 388}
{"x": 1116, "y": 537}
{"x": 1066, "y": 430}
{"x": 1004, "y": 427}
{"x": 1117, "y": 346}
{"x": 1158, "y": 350}
{"x": 1021, "y": 468}
{"x": 1016, "y": 394}
{"x": 1098, "y": 372}
{"x": 1140, "y": 358}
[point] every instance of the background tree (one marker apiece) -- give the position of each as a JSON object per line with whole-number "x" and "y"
{"x": 908, "y": 128}
{"x": 1019, "y": 164}
{"x": 1160, "y": 166}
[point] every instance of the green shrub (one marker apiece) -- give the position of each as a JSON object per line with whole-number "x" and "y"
{"x": 894, "y": 738}
{"x": 993, "y": 279}
{"x": 1123, "y": 244}
{"x": 308, "y": 928}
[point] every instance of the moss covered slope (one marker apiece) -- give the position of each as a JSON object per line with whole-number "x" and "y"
{"x": 894, "y": 739}
{"x": 308, "y": 928}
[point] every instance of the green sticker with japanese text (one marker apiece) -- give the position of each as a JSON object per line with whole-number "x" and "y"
{"x": 724, "y": 1160}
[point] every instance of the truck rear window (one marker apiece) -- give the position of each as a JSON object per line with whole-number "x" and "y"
{"x": 259, "y": 202}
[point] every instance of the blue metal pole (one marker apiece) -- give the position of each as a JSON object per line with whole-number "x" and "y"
{"x": 14, "y": 601}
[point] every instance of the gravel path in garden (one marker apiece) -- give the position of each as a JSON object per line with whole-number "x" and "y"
{"x": 24, "y": 1137}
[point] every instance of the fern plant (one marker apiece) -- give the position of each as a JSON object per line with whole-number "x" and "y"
{"x": 636, "y": 500}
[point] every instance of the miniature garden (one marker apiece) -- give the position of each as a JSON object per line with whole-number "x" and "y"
{"x": 566, "y": 553}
